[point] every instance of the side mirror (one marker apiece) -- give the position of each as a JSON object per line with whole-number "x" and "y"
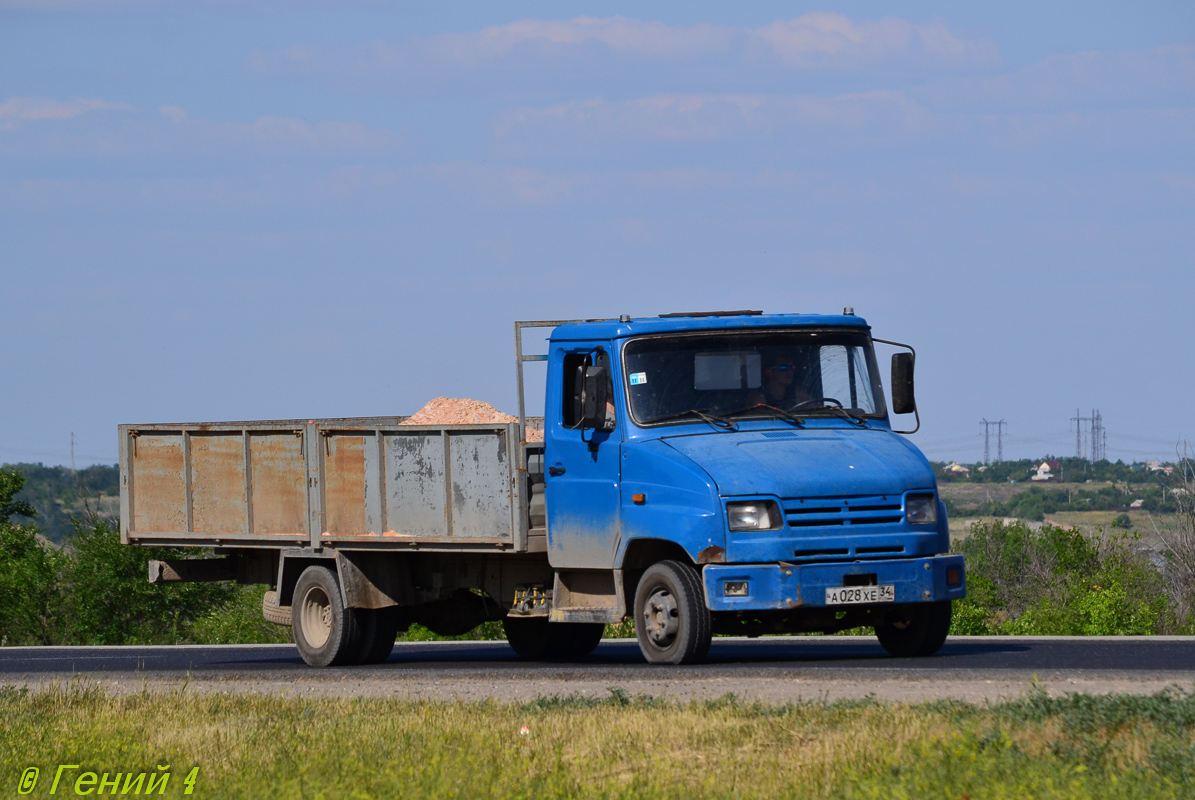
{"x": 594, "y": 396}
{"x": 902, "y": 384}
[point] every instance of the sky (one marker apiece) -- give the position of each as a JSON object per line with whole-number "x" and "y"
{"x": 215, "y": 210}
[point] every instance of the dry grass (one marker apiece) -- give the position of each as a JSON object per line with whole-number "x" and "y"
{"x": 259, "y": 746}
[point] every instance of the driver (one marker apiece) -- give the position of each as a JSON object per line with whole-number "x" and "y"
{"x": 777, "y": 388}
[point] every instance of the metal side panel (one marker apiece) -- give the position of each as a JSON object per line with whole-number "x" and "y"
{"x": 415, "y": 474}
{"x": 277, "y": 482}
{"x": 157, "y": 475}
{"x": 218, "y": 501}
{"x": 358, "y": 483}
{"x": 481, "y": 493}
{"x": 344, "y": 483}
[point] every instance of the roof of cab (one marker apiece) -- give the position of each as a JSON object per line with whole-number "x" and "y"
{"x": 614, "y": 329}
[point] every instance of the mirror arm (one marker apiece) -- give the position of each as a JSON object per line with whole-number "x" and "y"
{"x": 908, "y": 347}
{"x": 916, "y": 416}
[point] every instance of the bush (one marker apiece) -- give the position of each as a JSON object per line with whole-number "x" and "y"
{"x": 239, "y": 621}
{"x": 94, "y": 591}
{"x": 1056, "y": 581}
{"x": 30, "y": 592}
{"x": 112, "y": 602}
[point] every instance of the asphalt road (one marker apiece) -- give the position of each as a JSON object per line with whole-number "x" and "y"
{"x": 824, "y": 656}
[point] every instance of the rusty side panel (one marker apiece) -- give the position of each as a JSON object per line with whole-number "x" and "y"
{"x": 481, "y": 494}
{"x": 160, "y": 499}
{"x": 415, "y": 484}
{"x": 344, "y": 484}
{"x": 279, "y": 483}
{"x": 218, "y": 483}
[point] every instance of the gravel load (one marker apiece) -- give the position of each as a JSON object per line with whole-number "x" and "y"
{"x": 462, "y": 411}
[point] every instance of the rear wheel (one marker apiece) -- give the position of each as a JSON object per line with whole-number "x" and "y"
{"x": 672, "y": 624}
{"x": 378, "y": 628}
{"x": 326, "y": 632}
{"x": 915, "y": 630}
{"x": 586, "y": 636}
{"x": 536, "y": 639}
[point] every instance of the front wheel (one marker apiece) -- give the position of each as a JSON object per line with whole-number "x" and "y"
{"x": 672, "y": 624}
{"x": 915, "y": 630}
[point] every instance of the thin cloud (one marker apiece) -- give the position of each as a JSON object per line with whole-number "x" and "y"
{"x": 558, "y": 37}
{"x": 295, "y": 134}
{"x": 822, "y": 40}
{"x": 171, "y": 131}
{"x": 711, "y": 117}
{"x": 813, "y": 42}
{"x": 37, "y": 109}
{"x": 1163, "y": 76}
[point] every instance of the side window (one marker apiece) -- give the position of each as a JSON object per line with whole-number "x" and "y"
{"x": 574, "y": 375}
{"x": 574, "y": 386}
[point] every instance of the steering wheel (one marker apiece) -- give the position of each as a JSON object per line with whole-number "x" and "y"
{"x": 822, "y": 400}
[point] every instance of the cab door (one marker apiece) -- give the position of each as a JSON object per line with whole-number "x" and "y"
{"x": 581, "y": 464}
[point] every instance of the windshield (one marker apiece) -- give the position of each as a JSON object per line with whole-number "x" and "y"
{"x": 805, "y": 373}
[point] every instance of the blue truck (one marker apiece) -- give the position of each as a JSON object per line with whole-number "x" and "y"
{"x": 705, "y": 473}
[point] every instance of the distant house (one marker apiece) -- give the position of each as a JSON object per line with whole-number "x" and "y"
{"x": 1136, "y": 504}
{"x": 956, "y": 468}
{"x": 1045, "y": 471}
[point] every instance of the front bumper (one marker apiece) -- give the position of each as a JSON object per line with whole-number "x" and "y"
{"x": 793, "y": 586}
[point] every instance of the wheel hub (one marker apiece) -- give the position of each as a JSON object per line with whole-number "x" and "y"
{"x": 661, "y": 618}
{"x": 316, "y": 617}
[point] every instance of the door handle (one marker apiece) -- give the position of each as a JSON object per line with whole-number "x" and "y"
{"x": 556, "y": 471}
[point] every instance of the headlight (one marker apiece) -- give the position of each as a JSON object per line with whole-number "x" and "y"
{"x": 760, "y": 515}
{"x": 921, "y": 509}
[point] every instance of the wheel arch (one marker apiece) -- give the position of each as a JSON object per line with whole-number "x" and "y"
{"x": 291, "y": 565}
{"x": 642, "y": 553}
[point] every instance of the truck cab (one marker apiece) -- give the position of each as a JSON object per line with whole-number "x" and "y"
{"x": 739, "y": 473}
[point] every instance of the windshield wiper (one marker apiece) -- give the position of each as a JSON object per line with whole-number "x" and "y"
{"x": 713, "y": 419}
{"x": 775, "y": 412}
{"x": 831, "y": 404}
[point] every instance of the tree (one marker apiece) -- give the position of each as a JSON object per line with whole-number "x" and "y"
{"x": 11, "y": 482}
{"x": 29, "y": 593}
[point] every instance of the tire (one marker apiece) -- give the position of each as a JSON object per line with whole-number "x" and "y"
{"x": 536, "y": 639}
{"x": 279, "y": 615}
{"x": 378, "y": 629}
{"x": 915, "y": 630}
{"x": 585, "y": 638}
{"x": 672, "y": 624}
{"x": 326, "y": 632}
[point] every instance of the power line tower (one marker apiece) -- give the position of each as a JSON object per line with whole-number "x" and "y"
{"x": 987, "y": 439}
{"x": 1080, "y": 437}
{"x": 1099, "y": 437}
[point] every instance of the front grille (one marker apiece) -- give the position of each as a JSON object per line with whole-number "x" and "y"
{"x": 807, "y": 512}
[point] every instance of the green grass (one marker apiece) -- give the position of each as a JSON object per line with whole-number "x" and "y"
{"x": 1078, "y": 746}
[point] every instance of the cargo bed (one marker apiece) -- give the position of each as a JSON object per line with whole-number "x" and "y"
{"x": 367, "y": 483}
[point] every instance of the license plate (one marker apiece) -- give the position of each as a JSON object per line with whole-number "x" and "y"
{"x": 851, "y": 595}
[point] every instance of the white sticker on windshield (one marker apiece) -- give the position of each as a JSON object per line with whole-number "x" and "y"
{"x": 638, "y": 378}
